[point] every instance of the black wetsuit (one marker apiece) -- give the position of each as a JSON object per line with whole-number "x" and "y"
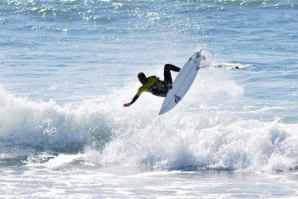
{"x": 156, "y": 86}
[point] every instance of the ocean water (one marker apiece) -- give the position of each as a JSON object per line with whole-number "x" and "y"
{"x": 68, "y": 66}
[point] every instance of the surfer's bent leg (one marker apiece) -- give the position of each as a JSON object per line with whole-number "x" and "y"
{"x": 167, "y": 72}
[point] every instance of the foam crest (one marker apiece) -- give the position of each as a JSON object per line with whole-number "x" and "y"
{"x": 240, "y": 145}
{"x": 46, "y": 125}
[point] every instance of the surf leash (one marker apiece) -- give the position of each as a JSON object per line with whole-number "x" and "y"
{"x": 209, "y": 51}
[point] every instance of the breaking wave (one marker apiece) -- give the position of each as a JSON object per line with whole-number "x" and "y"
{"x": 211, "y": 129}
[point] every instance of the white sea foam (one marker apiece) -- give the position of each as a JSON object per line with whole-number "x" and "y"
{"x": 188, "y": 137}
{"x": 68, "y": 67}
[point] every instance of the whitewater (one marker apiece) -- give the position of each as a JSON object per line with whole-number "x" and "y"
{"x": 67, "y": 68}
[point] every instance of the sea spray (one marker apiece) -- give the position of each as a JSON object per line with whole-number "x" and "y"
{"x": 209, "y": 129}
{"x": 47, "y": 125}
{"x": 239, "y": 145}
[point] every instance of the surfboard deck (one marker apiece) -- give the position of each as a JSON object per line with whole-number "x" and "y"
{"x": 182, "y": 83}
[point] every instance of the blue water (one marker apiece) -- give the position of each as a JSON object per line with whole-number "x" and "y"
{"x": 67, "y": 67}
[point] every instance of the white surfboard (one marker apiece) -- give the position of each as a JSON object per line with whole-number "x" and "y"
{"x": 182, "y": 82}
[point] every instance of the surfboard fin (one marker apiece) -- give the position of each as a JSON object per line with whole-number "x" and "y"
{"x": 177, "y": 99}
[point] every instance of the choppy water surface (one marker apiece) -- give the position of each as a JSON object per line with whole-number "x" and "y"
{"x": 67, "y": 67}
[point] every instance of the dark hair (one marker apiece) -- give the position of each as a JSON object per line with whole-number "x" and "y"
{"x": 141, "y": 74}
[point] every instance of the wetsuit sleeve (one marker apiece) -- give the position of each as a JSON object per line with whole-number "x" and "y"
{"x": 134, "y": 99}
{"x": 136, "y": 96}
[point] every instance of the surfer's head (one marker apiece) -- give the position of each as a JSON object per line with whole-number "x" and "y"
{"x": 142, "y": 78}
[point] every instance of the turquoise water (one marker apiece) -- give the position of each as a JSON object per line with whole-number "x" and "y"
{"x": 67, "y": 68}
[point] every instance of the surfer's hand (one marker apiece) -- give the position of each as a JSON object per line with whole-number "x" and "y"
{"x": 170, "y": 86}
{"x": 126, "y": 105}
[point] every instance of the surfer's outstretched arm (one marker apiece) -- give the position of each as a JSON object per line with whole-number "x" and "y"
{"x": 132, "y": 101}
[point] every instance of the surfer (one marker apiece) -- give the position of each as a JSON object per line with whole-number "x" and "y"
{"x": 154, "y": 85}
